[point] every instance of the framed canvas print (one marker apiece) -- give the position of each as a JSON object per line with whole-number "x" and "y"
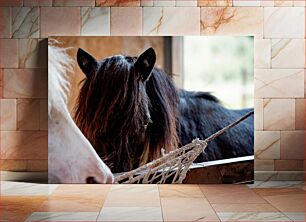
{"x": 150, "y": 109}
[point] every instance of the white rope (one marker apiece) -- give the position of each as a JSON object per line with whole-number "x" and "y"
{"x": 172, "y": 167}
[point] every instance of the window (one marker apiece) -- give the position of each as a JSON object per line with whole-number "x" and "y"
{"x": 221, "y": 65}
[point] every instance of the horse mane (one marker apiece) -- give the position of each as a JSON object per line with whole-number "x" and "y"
{"x": 59, "y": 65}
{"x": 113, "y": 118}
{"x": 164, "y": 99}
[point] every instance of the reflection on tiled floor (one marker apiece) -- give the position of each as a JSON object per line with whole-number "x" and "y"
{"x": 259, "y": 202}
{"x": 63, "y": 216}
{"x": 130, "y": 214}
{"x": 26, "y": 189}
{"x": 253, "y": 216}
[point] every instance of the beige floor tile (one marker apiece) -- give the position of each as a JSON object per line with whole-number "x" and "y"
{"x": 264, "y": 207}
{"x": 251, "y": 216}
{"x": 230, "y": 194}
{"x": 297, "y": 216}
{"x": 277, "y": 184}
{"x": 71, "y": 204}
{"x": 63, "y": 216}
{"x": 10, "y": 188}
{"x": 133, "y": 196}
{"x": 288, "y": 203}
{"x": 285, "y": 200}
{"x": 187, "y": 209}
{"x": 130, "y": 214}
{"x": 96, "y": 191}
{"x": 181, "y": 190}
{"x": 265, "y": 192}
{"x": 18, "y": 208}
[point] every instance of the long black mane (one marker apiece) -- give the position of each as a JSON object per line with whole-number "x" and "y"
{"x": 127, "y": 118}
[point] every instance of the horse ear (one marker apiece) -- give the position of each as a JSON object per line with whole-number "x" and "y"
{"x": 86, "y": 62}
{"x": 145, "y": 63}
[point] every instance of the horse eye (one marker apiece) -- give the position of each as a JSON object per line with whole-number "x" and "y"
{"x": 129, "y": 59}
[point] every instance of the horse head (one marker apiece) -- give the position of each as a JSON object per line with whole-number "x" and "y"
{"x": 71, "y": 157}
{"x": 126, "y": 108}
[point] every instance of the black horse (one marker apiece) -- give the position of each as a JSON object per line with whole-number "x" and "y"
{"x": 129, "y": 110}
{"x": 201, "y": 114}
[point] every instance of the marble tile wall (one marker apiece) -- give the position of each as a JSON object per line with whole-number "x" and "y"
{"x": 278, "y": 27}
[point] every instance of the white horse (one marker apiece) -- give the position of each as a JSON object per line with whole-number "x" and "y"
{"x": 71, "y": 159}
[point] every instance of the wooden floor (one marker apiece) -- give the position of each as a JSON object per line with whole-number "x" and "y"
{"x": 269, "y": 201}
